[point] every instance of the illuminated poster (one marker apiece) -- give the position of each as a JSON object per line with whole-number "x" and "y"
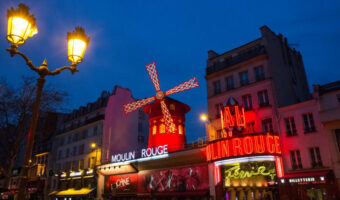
{"x": 121, "y": 184}
{"x": 174, "y": 180}
{"x": 249, "y": 174}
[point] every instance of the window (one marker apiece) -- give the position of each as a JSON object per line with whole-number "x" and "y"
{"x": 75, "y": 165}
{"x": 308, "y": 122}
{"x": 140, "y": 139}
{"x": 267, "y": 125}
{"x": 315, "y": 157}
{"x": 61, "y": 141}
{"x": 337, "y": 136}
{"x": 95, "y": 130}
{"x": 74, "y": 151}
{"x": 219, "y": 134}
{"x": 247, "y": 102}
{"x": 140, "y": 127}
{"x": 263, "y": 98}
{"x": 81, "y": 149}
{"x": 290, "y": 126}
{"x": 250, "y": 127}
{"x": 69, "y": 139}
{"x": 81, "y": 164}
{"x": 295, "y": 159}
{"x": 229, "y": 83}
{"x": 161, "y": 128}
{"x": 218, "y": 110}
{"x": 84, "y": 134}
{"x": 180, "y": 129}
{"x": 259, "y": 73}
{"x": 60, "y": 154}
{"x": 154, "y": 130}
{"x": 74, "y": 138}
{"x": 67, "y": 152}
{"x": 244, "y": 78}
{"x": 217, "y": 87}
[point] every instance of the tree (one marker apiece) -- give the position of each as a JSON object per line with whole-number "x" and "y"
{"x": 16, "y": 105}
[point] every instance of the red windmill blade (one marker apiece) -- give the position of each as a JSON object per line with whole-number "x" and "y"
{"x": 151, "y": 68}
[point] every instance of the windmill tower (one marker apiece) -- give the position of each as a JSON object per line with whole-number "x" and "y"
{"x": 157, "y": 130}
{"x": 160, "y": 108}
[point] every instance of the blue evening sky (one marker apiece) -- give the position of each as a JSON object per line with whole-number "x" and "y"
{"x": 126, "y": 35}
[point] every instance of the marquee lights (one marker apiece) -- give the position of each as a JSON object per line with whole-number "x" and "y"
{"x": 244, "y": 159}
{"x": 243, "y": 146}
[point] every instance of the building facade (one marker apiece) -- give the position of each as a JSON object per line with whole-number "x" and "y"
{"x": 268, "y": 78}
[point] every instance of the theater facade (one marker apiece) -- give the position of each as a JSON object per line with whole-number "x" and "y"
{"x": 236, "y": 165}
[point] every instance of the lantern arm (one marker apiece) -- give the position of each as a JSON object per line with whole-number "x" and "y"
{"x": 14, "y": 50}
{"x": 72, "y": 68}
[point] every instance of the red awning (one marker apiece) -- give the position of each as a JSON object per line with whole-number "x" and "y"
{"x": 307, "y": 174}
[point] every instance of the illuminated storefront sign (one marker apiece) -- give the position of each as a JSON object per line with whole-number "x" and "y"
{"x": 249, "y": 174}
{"x": 145, "y": 154}
{"x": 75, "y": 174}
{"x": 245, "y": 145}
{"x": 121, "y": 184}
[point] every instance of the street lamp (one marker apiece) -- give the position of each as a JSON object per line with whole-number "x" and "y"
{"x": 93, "y": 147}
{"x": 210, "y": 129}
{"x": 21, "y": 25}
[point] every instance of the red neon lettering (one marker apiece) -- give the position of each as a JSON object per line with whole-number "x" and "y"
{"x": 259, "y": 144}
{"x": 214, "y": 157}
{"x": 219, "y": 149}
{"x": 240, "y": 120}
{"x": 270, "y": 144}
{"x": 227, "y": 118}
{"x": 225, "y": 148}
{"x": 248, "y": 147}
{"x": 277, "y": 144}
{"x": 237, "y": 150}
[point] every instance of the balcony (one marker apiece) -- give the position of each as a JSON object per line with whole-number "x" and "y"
{"x": 256, "y": 51}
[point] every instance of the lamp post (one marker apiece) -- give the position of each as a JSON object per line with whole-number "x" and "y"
{"x": 94, "y": 147}
{"x": 21, "y": 25}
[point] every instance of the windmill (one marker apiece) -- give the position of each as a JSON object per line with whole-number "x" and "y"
{"x": 151, "y": 68}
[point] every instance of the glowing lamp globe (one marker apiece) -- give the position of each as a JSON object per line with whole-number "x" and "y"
{"x": 77, "y": 42}
{"x": 21, "y": 25}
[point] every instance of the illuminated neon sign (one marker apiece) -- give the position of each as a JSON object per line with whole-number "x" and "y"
{"x": 254, "y": 144}
{"x": 76, "y": 174}
{"x": 237, "y": 173}
{"x": 145, "y": 154}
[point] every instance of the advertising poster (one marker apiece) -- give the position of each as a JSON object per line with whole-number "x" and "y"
{"x": 174, "y": 180}
{"x": 121, "y": 184}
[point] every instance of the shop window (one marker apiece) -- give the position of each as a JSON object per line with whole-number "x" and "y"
{"x": 154, "y": 130}
{"x": 259, "y": 73}
{"x": 315, "y": 157}
{"x": 337, "y": 136}
{"x": 229, "y": 83}
{"x": 295, "y": 159}
{"x": 290, "y": 126}
{"x": 180, "y": 129}
{"x": 217, "y": 87}
{"x": 161, "y": 128}
{"x": 308, "y": 122}
{"x": 244, "y": 78}
{"x": 263, "y": 98}
{"x": 267, "y": 125}
{"x": 218, "y": 108}
{"x": 247, "y": 102}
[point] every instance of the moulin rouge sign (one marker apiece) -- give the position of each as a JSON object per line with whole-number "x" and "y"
{"x": 240, "y": 144}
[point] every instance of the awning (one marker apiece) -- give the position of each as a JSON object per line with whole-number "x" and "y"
{"x": 52, "y": 193}
{"x": 73, "y": 192}
{"x": 307, "y": 174}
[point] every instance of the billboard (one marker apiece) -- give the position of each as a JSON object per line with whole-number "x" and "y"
{"x": 174, "y": 180}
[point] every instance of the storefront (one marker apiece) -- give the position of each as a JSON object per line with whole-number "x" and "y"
{"x": 179, "y": 175}
{"x": 76, "y": 185}
{"x": 318, "y": 185}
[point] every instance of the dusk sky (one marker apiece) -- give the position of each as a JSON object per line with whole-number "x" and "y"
{"x": 126, "y": 35}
